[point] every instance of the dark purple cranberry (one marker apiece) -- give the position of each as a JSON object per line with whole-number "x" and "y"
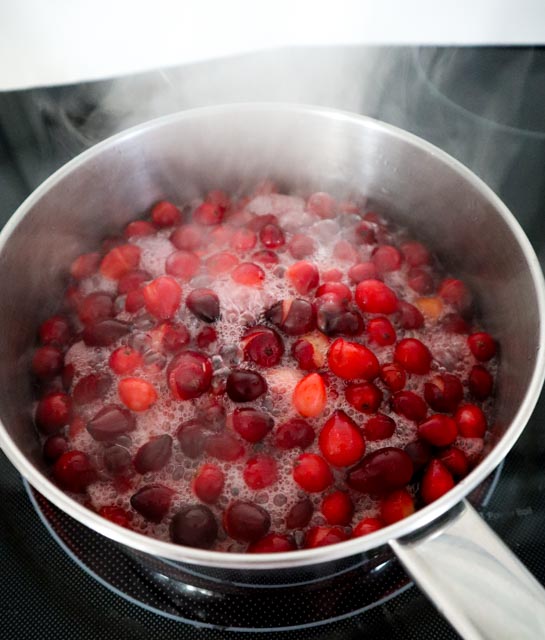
{"x": 300, "y": 514}
{"x": 54, "y": 447}
{"x": 262, "y": 346}
{"x": 409, "y": 316}
{"x": 153, "y": 455}
{"x": 245, "y": 521}
{"x": 192, "y": 437}
{"x": 204, "y": 304}
{"x": 117, "y": 460}
{"x": 381, "y": 471}
{"x": 244, "y": 385}
{"x": 444, "y": 393}
{"x": 110, "y": 422}
{"x": 152, "y": 501}
{"x": 104, "y": 333}
{"x": 335, "y": 319}
{"x": 91, "y": 388}
{"x": 194, "y": 526}
{"x": 293, "y": 317}
{"x": 294, "y": 433}
{"x": 47, "y": 362}
{"x": 419, "y": 452}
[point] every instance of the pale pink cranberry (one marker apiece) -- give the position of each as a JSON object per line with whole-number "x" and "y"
{"x": 205, "y": 304}
{"x": 295, "y": 433}
{"x": 251, "y": 424}
{"x": 480, "y": 382}
{"x": 381, "y": 471}
{"x": 323, "y": 536}
{"x": 271, "y": 236}
{"x": 332, "y": 275}
{"x": 248, "y": 274}
{"x": 301, "y": 246}
{"x": 309, "y": 396}
{"x": 165, "y": 214}
{"x": 47, "y": 362}
{"x": 53, "y": 412}
{"x": 125, "y": 360}
{"x": 95, "y": 307}
{"x": 364, "y": 396}
{"x": 365, "y": 233}
{"x": 387, "y": 258}
{"x": 482, "y": 346}
{"x": 373, "y": 296}
{"x": 344, "y": 250}
{"x": 209, "y": 213}
{"x": 396, "y": 506}
{"x": 436, "y": 481}
{"x": 243, "y": 240}
{"x": 162, "y": 297}
{"x": 303, "y": 276}
{"x": 90, "y": 388}
{"x": 415, "y": 253}
{"x": 152, "y": 501}
{"x": 409, "y": 317}
{"x": 444, "y": 392}
{"x": 410, "y": 405}
{"x": 55, "y": 331}
{"x": 182, "y": 264}
{"x": 366, "y": 526}
{"x": 111, "y": 422}
{"x": 455, "y": 293}
{"x": 119, "y": 261}
{"x": 322, "y": 204}
{"x": 208, "y": 483}
{"x": 224, "y": 446}
{"x": 362, "y": 271}
{"x": 189, "y": 375}
{"x": 154, "y": 454}
{"x": 194, "y": 526}
{"x": 244, "y": 385}
{"x": 312, "y": 473}
{"x": 85, "y": 266}
{"x": 393, "y": 375}
{"x": 188, "y": 237}
{"x": 379, "y": 427}
{"x": 351, "y": 361}
{"x": 132, "y": 281}
{"x": 471, "y": 421}
{"x": 420, "y": 453}
{"x": 272, "y": 543}
{"x": 260, "y": 472}
{"x": 337, "y": 508}
{"x": 294, "y": 316}
{"x": 266, "y": 257}
{"x": 420, "y": 281}
{"x": 299, "y": 514}
{"x": 246, "y": 522}
{"x": 74, "y": 472}
{"x": 413, "y": 356}
{"x": 220, "y": 263}
{"x": 139, "y": 228}
{"x": 262, "y": 346}
{"x": 439, "y": 430}
{"x": 340, "y": 440}
{"x": 137, "y": 394}
{"x": 381, "y": 331}
{"x": 455, "y": 460}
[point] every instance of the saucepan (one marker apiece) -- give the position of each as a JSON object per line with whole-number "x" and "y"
{"x": 471, "y": 576}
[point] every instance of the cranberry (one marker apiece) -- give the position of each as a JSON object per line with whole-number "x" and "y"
{"x": 410, "y": 405}
{"x": 293, "y": 317}
{"x": 373, "y": 296}
{"x": 95, "y": 307}
{"x": 365, "y": 233}
{"x": 248, "y": 274}
{"x": 419, "y": 452}
{"x": 208, "y": 483}
{"x": 47, "y": 362}
{"x": 323, "y": 536}
{"x": 182, "y": 264}
{"x": 125, "y": 360}
{"x": 189, "y": 375}
{"x": 381, "y": 471}
{"x": 173, "y": 337}
{"x": 345, "y": 251}
{"x": 362, "y": 271}
{"x": 132, "y": 281}
{"x": 136, "y": 394}
{"x": 341, "y": 442}
{"x": 415, "y": 253}
{"x": 91, "y": 388}
{"x": 272, "y": 543}
{"x": 162, "y": 297}
{"x": 118, "y": 461}
{"x": 224, "y": 446}
{"x": 85, "y": 266}
{"x": 244, "y": 385}
{"x": 381, "y": 331}
{"x": 379, "y": 427}
{"x": 439, "y": 430}
{"x": 194, "y": 526}
{"x": 165, "y": 214}
{"x": 246, "y": 522}
{"x": 322, "y": 205}
{"x": 309, "y": 396}
{"x": 153, "y": 455}
{"x": 208, "y": 214}
{"x": 350, "y": 360}
{"x": 455, "y": 461}
{"x": 444, "y": 393}
{"x": 310, "y": 351}
{"x": 53, "y": 412}
{"x": 257, "y": 223}
{"x": 409, "y": 316}
{"x": 152, "y": 501}
{"x": 364, "y": 396}
{"x": 188, "y": 237}
{"x": 260, "y": 472}
{"x": 67, "y": 376}
{"x": 454, "y": 323}
{"x": 205, "y": 304}
{"x": 220, "y": 263}
{"x": 265, "y": 257}
{"x": 139, "y": 228}
{"x": 396, "y": 506}
{"x": 340, "y": 291}
{"x": 251, "y": 424}
{"x": 480, "y": 382}
{"x": 192, "y": 438}
{"x": 334, "y": 319}
{"x": 55, "y": 331}
{"x": 206, "y": 337}
{"x": 104, "y": 333}
{"x": 420, "y": 281}
{"x": 312, "y": 473}
{"x": 243, "y": 240}
{"x": 455, "y": 293}
{"x": 110, "y": 422}
{"x": 262, "y": 346}
{"x": 413, "y": 355}
{"x": 134, "y": 301}
{"x": 471, "y": 421}
{"x": 271, "y": 236}
{"x": 117, "y": 515}
{"x": 301, "y": 246}
{"x": 482, "y": 346}
{"x": 436, "y": 481}
{"x": 74, "y": 471}
{"x": 303, "y": 276}
{"x": 54, "y": 447}
{"x": 387, "y": 258}
{"x": 299, "y": 514}
{"x": 294, "y": 433}
{"x": 393, "y": 375}
{"x": 119, "y": 261}
{"x": 337, "y": 508}
{"x": 430, "y": 307}
{"x": 366, "y": 526}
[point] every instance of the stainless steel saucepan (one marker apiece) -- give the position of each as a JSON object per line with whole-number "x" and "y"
{"x": 456, "y": 559}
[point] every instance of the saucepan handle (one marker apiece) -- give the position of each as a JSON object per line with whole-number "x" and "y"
{"x": 474, "y": 580}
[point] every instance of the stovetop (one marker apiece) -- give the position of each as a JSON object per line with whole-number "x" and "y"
{"x": 48, "y": 595}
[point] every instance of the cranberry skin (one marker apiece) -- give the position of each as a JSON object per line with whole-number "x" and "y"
{"x": 153, "y": 455}
{"x": 310, "y": 351}
{"x": 379, "y": 427}
{"x": 455, "y": 461}
{"x": 312, "y": 473}
{"x": 436, "y": 481}
{"x": 410, "y": 405}
{"x": 365, "y": 396}
{"x": 187, "y": 236}
{"x": 300, "y": 514}
{"x": 303, "y": 276}
{"x": 224, "y": 446}
{"x": 244, "y": 385}
{"x": 272, "y": 543}
{"x": 192, "y": 438}
{"x": 294, "y": 433}
{"x": 260, "y": 472}
{"x": 393, "y": 375}
{"x": 341, "y": 442}
{"x": 310, "y": 396}
{"x": 262, "y": 346}
{"x": 162, "y": 297}
{"x": 362, "y": 271}
{"x": 246, "y": 522}
{"x": 47, "y": 362}
{"x": 350, "y": 360}
{"x": 54, "y": 447}
{"x": 55, "y": 331}
{"x": 251, "y": 424}
{"x": 194, "y": 526}
{"x": 409, "y": 317}
{"x": 74, "y": 471}
{"x": 301, "y": 246}
{"x": 205, "y": 304}
{"x": 367, "y": 525}
{"x": 323, "y": 536}
{"x": 482, "y": 346}
{"x": 189, "y": 375}
{"x": 480, "y": 382}
{"x": 333, "y": 319}
{"x": 439, "y": 430}
{"x": 455, "y": 293}
{"x": 182, "y": 264}
{"x": 152, "y": 502}
{"x": 413, "y": 355}
{"x": 381, "y": 331}
{"x": 444, "y": 393}
{"x": 396, "y": 506}
{"x": 119, "y": 261}
{"x": 104, "y": 333}
{"x": 387, "y": 258}
{"x": 381, "y": 471}
{"x": 337, "y": 508}
{"x": 208, "y": 483}
{"x": 111, "y": 422}
{"x": 373, "y": 296}
{"x": 294, "y": 317}
{"x": 53, "y": 412}
{"x": 91, "y": 388}
{"x": 118, "y": 461}
{"x": 165, "y": 214}
{"x": 271, "y": 236}
{"x": 471, "y": 421}
{"x": 420, "y": 453}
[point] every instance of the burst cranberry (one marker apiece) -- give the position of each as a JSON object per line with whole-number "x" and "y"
{"x": 365, "y": 233}
{"x": 366, "y": 526}
{"x": 91, "y": 388}
{"x": 299, "y": 514}
{"x": 333, "y": 319}
{"x": 117, "y": 515}
{"x": 95, "y": 307}
{"x": 393, "y": 375}
{"x": 455, "y": 461}
{"x": 379, "y": 427}
{"x": 409, "y": 317}
{"x": 482, "y": 346}
{"x": 119, "y": 261}
{"x": 136, "y": 394}
{"x": 373, "y": 296}
{"x": 362, "y": 271}
{"x": 224, "y": 446}
{"x": 251, "y": 424}
{"x": 173, "y": 337}
{"x": 381, "y": 471}
{"x": 454, "y": 323}
{"x": 206, "y": 337}
{"x": 341, "y": 442}
{"x": 312, "y": 473}
{"x": 420, "y": 453}
{"x": 47, "y": 362}
{"x": 54, "y": 447}
{"x": 420, "y": 281}
{"x": 340, "y": 291}
{"x": 74, "y": 471}
{"x": 436, "y": 481}
{"x": 205, "y": 304}
{"x": 53, "y": 412}
{"x": 271, "y": 236}
{"x": 208, "y": 483}
{"x": 118, "y": 461}
{"x": 396, "y": 506}
{"x": 182, "y": 264}
{"x": 480, "y": 382}
{"x": 415, "y": 253}
{"x": 139, "y": 228}
{"x": 260, "y": 472}
{"x": 439, "y": 430}
{"x": 262, "y": 346}
{"x": 188, "y": 237}
{"x": 194, "y": 526}
{"x": 323, "y": 536}
{"x": 248, "y": 274}
{"x": 246, "y": 522}
{"x": 111, "y": 422}
{"x": 301, "y": 246}
{"x": 322, "y": 205}
{"x": 293, "y": 317}
{"x": 244, "y": 385}
{"x": 208, "y": 214}
{"x": 471, "y": 421}
{"x": 337, "y": 508}
{"x": 152, "y": 501}
{"x": 455, "y": 293}
{"x": 55, "y": 331}
{"x": 272, "y": 543}
{"x": 125, "y": 360}
{"x": 153, "y": 455}
{"x": 309, "y": 396}
{"x": 220, "y": 263}
{"x": 350, "y": 360}
{"x": 243, "y": 240}
{"x": 410, "y": 405}
{"x": 381, "y": 331}
{"x": 365, "y": 396}
{"x": 444, "y": 393}
{"x": 413, "y": 355}
{"x": 162, "y": 297}
{"x": 387, "y": 258}
{"x": 189, "y": 375}
{"x": 85, "y": 266}
{"x": 165, "y": 214}
{"x": 310, "y": 351}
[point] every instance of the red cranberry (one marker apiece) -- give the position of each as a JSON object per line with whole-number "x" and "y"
{"x": 119, "y": 261}
{"x": 74, "y": 471}
{"x": 248, "y": 274}
{"x": 265, "y": 257}
{"x": 333, "y": 319}
{"x": 132, "y": 281}
{"x": 272, "y": 543}
{"x": 410, "y": 405}
{"x": 455, "y": 461}
{"x": 54, "y": 447}
{"x": 91, "y": 388}
{"x": 220, "y": 263}
{"x": 381, "y": 471}
{"x": 439, "y": 430}
{"x": 206, "y": 337}
{"x": 455, "y": 293}
{"x": 124, "y": 360}
{"x": 110, "y": 422}
{"x": 85, "y": 266}
{"x": 152, "y": 501}
{"x": 420, "y": 281}
{"x": 224, "y": 446}
{"x": 104, "y": 333}
{"x": 413, "y": 355}
{"x": 482, "y": 346}
{"x": 373, "y": 296}
{"x": 188, "y": 237}
{"x": 140, "y": 228}
{"x": 480, "y": 382}
{"x": 95, "y": 307}
{"x": 322, "y": 205}
{"x": 189, "y": 375}
{"x": 262, "y": 346}
{"x": 419, "y": 452}
{"x": 162, "y": 297}
{"x": 134, "y": 301}
{"x": 208, "y": 214}
{"x": 454, "y": 323}
{"x": 117, "y": 515}
{"x": 393, "y": 375}
{"x": 153, "y": 455}
{"x": 312, "y": 473}
{"x": 364, "y": 396}
{"x": 365, "y": 233}
{"x": 293, "y": 317}
{"x": 192, "y": 438}
{"x": 301, "y": 246}
{"x": 271, "y": 236}
{"x": 366, "y": 526}
{"x": 53, "y": 412}
{"x": 396, "y": 506}
{"x": 260, "y": 472}
{"x": 350, "y": 360}
{"x": 251, "y": 424}
{"x": 444, "y": 393}
{"x": 323, "y": 536}
{"x": 243, "y": 240}
{"x": 471, "y": 421}
{"x": 310, "y": 396}
{"x": 387, "y": 258}
{"x": 300, "y": 514}
{"x": 340, "y": 291}
{"x": 165, "y": 214}
{"x": 303, "y": 276}
{"x": 246, "y": 522}
{"x": 294, "y": 433}
{"x": 208, "y": 483}
{"x": 194, "y": 526}
{"x": 244, "y": 385}
{"x": 415, "y": 253}
{"x": 137, "y": 394}
{"x": 118, "y": 461}
{"x": 362, "y": 271}
{"x": 47, "y": 362}
{"x": 55, "y": 331}
{"x": 182, "y": 264}
{"x": 337, "y": 508}
{"x": 341, "y": 442}
{"x": 409, "y": 317}
{"x": 381, "y": 331}
{"x": 379, "y": 427}
{"x": 436, "y": 481}
{"x": 205, "y": 304}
